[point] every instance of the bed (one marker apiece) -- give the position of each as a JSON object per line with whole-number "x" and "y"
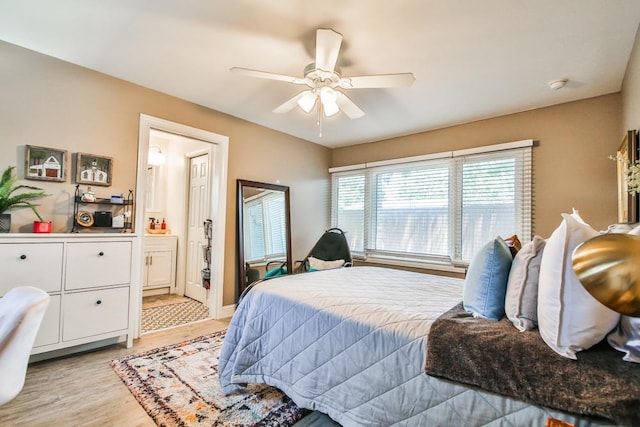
{"x": 352, "y": 343}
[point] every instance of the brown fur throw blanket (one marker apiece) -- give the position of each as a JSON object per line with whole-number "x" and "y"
{"x": 496, "y": 357}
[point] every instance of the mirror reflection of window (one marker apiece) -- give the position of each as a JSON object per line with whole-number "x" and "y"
{"x": 264, "y": 226}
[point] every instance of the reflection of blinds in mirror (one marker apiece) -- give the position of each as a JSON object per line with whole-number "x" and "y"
{"x": 274, "y": 209}
{"x": 254, "y": 241}
{"x": 265, "y": 228}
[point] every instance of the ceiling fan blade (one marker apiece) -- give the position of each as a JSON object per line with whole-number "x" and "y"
{"x": 269, "y": 76}
{"x": 327, "y": 48}
{"x": 347, "y": 106}
{"x": 291, "y": 103}
{"x": 377, "y": 81}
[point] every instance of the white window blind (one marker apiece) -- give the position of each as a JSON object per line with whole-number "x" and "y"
{"x": 349, "y": 208}
{"x": 410, "y": 209}
{"x": 443, "y": 209}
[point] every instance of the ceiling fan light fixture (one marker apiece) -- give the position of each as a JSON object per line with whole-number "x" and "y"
{"x": 328, "y": 97}
{"x": 307, "y": 101}
{"x": 326, "y": 85}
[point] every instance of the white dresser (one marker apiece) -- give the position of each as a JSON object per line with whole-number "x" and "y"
{"x": 90, "y": 278}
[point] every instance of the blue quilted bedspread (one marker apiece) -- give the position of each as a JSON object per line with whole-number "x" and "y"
{"x": 351, "y": 343}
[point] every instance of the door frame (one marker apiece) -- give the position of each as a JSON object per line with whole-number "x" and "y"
{"x": 218, "y": 163}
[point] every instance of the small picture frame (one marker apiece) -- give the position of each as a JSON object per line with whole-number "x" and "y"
{"x": 45, "y": 164}
{"x": 92, "y": 169}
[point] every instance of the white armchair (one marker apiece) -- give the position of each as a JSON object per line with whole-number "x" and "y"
{"x": 21, "y": 312}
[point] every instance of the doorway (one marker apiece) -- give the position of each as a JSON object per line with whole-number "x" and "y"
{"x": 181, "y": 197}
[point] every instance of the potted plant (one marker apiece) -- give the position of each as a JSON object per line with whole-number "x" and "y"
{"x": 9, "y": 199}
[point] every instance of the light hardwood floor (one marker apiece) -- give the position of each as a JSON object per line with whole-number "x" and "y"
{"x": 83, "y": 390}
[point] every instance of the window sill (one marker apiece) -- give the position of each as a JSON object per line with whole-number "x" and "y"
{"x": 441, "y": 267}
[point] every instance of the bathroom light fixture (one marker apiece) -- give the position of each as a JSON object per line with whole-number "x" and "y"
{"x": 557, "y": 84}
{"x": 155, "y": 157}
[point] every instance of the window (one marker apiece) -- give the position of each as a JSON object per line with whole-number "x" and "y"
{"x": 265, "y": 238}
{"x": 440, "y": 209}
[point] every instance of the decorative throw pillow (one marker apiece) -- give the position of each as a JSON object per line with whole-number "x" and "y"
{"x": 318, "y": 264}
{"x": 569, "y": 318}
{"x": 485, "y": 284}
{"x": 514, "y": 244}
{"x": 626, "y": 338}
{"x": 521, "y": 302}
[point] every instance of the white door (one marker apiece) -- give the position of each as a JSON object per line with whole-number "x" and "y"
{"x": 198, "y": 212}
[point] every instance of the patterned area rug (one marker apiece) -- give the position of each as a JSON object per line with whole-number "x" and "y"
{"x": 178, "y": 386}
{"x": 166, "y": 316}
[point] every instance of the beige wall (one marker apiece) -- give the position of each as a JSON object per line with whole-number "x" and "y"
{"x": 631, "y": 90}
{"x": 571, "y": 165}
{"x": 51, "y": 103}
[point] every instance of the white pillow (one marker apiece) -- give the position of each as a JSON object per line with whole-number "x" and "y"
{"x": 569, "y": 318}
{"x": 521, "y": 302}
{"x": 626, "y": 338}
{"x": 318, "y": 264}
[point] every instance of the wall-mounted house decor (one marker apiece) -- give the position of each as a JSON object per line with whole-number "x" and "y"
{"x": 93, "y": 170}
{"x": 45, "y": 164}
{"x": 627, "y": 155}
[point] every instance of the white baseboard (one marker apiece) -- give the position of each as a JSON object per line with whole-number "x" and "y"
{"x": 227, "y": 311}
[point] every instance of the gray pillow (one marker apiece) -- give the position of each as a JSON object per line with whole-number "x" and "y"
{"x": 626, "y": 338}
{"x": 521, "y": 302}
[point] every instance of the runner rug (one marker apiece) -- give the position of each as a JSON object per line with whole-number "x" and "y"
{"x": 178, "y": 386}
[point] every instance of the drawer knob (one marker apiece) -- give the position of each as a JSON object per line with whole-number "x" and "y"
{"x": 99, "y": 302}
{"x": 100, "y": 253}
{"x": 23, "y": 256}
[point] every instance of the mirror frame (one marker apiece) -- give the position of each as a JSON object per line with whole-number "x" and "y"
{"x": 241, "y": 271}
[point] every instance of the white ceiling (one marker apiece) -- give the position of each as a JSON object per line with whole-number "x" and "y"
{"x": 471, "y": 59}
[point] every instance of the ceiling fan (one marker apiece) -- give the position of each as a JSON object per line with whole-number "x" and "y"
{"x": 325, "y": 81}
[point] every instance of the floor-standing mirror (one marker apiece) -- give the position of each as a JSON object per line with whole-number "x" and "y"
{"x": 264, "y": 230}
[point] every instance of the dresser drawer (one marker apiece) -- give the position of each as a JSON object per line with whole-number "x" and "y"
{"x": 91, "y": 313}
{"x": 96, "y": 264}
{"x": 31, "y": 264}
{"x": 49, "y": 332}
